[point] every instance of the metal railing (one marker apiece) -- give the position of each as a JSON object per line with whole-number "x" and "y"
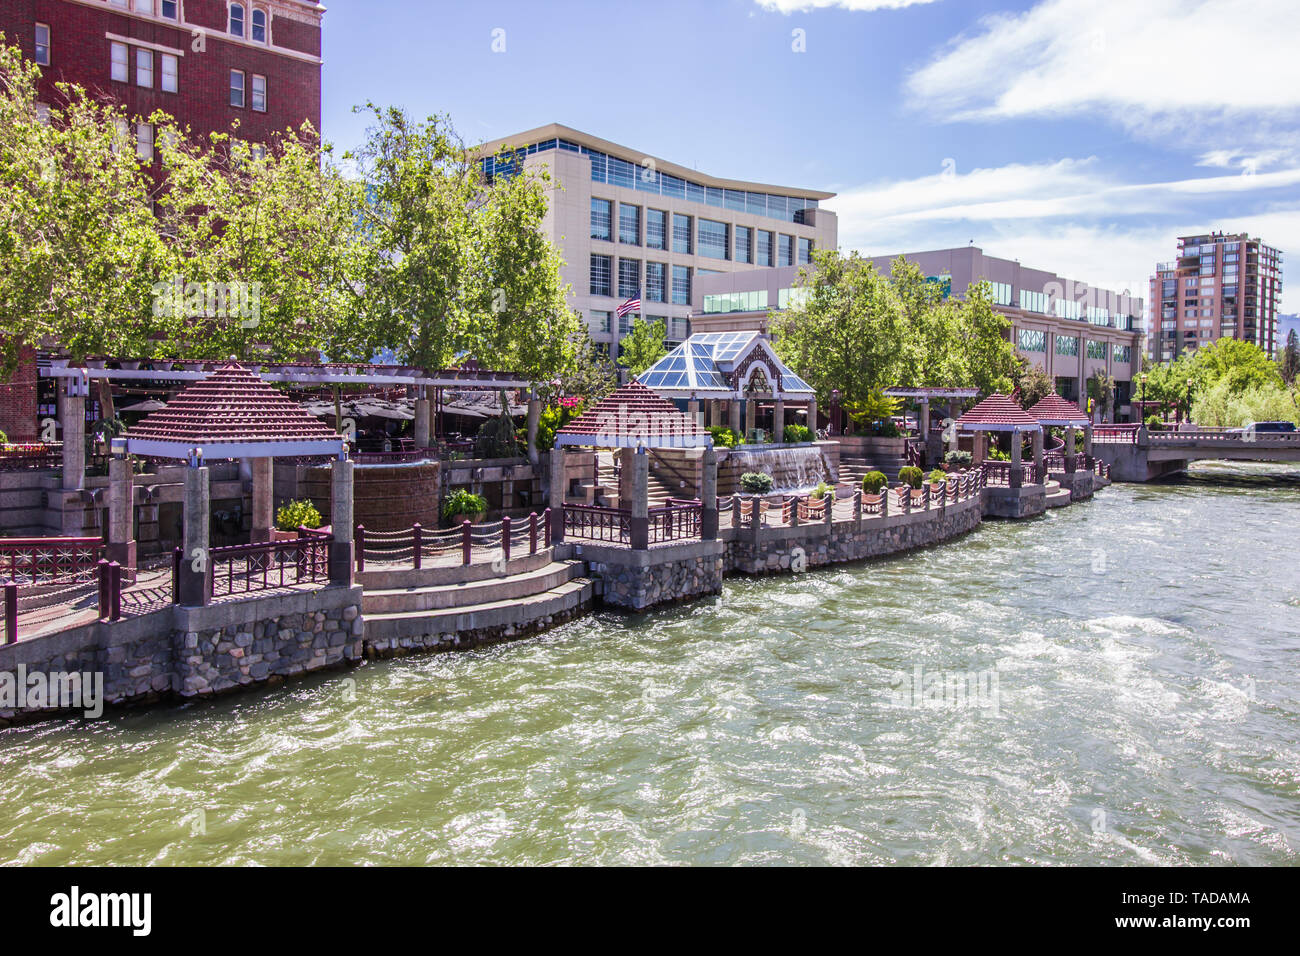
{"x": 37, "y": 561}
{"x": 466, "y": 543}
{"x": 998, "y": 473}
{"x": 31, "y": 455}
{"x": 678, "y": 520}
{"x": 596, "y": 523}
{"x": 245, "y": 568}
{"x": 1115, "y": 434}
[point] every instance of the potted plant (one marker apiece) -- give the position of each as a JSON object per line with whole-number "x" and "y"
{"x": 755, "y": 483}
{"x": 795, "y": 434}
{"x": 957, "y": 460}
{"x": 874, "y": 482}
{"x": 938, "y": 476}
{"x": 291, "y": 516}
{"x": 462, "y": 505}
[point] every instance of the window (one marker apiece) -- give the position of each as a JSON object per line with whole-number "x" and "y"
{"x": 144, "y": 142}
{"x": 714, "y": 239}
{"x": 259, "y": 26}
{"x": 119, "y": 3}
{"x": 723, "y": 302}
{"x": 1033, "y": 301}
{"x": 169, "y": 73}
{"x": 600, "y": 275}
{"x": 681, "y": 234}
{"x": 42, "y": 44}
{"x": 144, "y": 68}
{"x": 600, "y": 219}
{"x": 744, "y": 244}
{"x": 1097, "y": 350}
{"x": 259, "y": 93}
{"x": 629, "y": 224}
{"x": 237, "y": 88}
{"x": 121, "y": 72}
{"x": 1032, "y": 340}
{"x": 143, "y": 6}
{"x": 655, "y": 281}
{"x": 169, "y": 9}
{"x": 656, "y": 229}
{"x": 601, "y": 320}
{"x": 805, "y": 251}
{"x": 236, "y": 20}
{"x": 1067, "y": 345}
{"x": 786, "y": 250}
{"x": 629, "y": 277}
{"x": 681, "y": 285}
{"x": 765, "y": 249}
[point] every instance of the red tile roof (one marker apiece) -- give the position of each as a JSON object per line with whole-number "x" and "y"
{"x": 1055, "y": 410}
{"x": 634, "y": 415}
{"x": 997, "y": 413}
{"x": 232, "y": 407}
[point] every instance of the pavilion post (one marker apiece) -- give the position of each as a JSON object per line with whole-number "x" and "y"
{"x": 715, "y": 412}
{"x": 778, "y": 421}
{"x": 923, "y": 419}
{"x": 626, "y": 478}
{"x": 73, "y": 414}
{"x": 422, "y": 419}
{"x": 980, "y": 443}
{"x": 121, "y": 498}
{"x": 556, "y": 465}
{"x": 263, "y": 480}
{"x": 1070, "y": 464}
{"x": 1087, "y": 440}
{"x": 341, "y": 516}
{"x": 639, "y": 525}
{"x": 534, "y": 418}
{"x": 1038, "y": 455}
{"x": 812, "y": 415}
{"x": 196, "y": 561}
{"x": 734, "y": 414}
{"x": 751, "y": 416}
{"x": 709, "y": 496}
{"x": 1017, "y": 476}
{"x": 693, "y": 410}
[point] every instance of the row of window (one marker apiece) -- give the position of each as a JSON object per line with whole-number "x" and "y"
{"x": 675, "y": 328}
{"x": 658, "y": 280}
{"x": 706, "y": 237}
{"x": 1035, "y": 340}
{"x": 244, "y": 90}
{"x": 240, "y": 22}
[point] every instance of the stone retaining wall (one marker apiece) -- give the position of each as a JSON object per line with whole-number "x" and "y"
{"x": 636, "y": 580}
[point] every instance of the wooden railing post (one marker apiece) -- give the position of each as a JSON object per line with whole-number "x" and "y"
{"x": 548, "y": 517}
{"x": 465, "y": 541}
{"x": 532, "y": 533}
{"x": 114, "y": 591}
{"x": 417, "y": 541}
{"x": 176, "y": 575}
{"x": 361, "y": 547}
{"x": 101, "y": 571}
{"x": 11, "y": 612}
{"x": 505, "y": 537}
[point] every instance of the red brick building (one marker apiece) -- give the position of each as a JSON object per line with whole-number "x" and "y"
{"x": 209, "y": 63}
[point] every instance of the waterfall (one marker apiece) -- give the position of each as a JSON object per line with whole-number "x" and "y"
{"x": 799, "y": 468}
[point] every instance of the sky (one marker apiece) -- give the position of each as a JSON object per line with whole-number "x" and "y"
{"x": 1078, "y": 136}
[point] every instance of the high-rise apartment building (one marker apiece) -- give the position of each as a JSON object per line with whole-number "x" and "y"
{"x": 1220, "y": 286}
{"x": 627, "y": 223}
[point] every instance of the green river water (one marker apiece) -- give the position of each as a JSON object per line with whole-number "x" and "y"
{"x": 1121, "y": 685}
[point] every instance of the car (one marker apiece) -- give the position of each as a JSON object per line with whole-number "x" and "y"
{"x": 1260, "y": 428}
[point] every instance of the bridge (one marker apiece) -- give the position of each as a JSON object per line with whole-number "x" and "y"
{"x": 1136, "y": 454}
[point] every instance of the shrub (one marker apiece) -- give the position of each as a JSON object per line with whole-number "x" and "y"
{"x": 724, "y": 437}
{"x": 798, "y": 433}
{"x": 938, "y": 476}
{"x": 463, "y": 503}
{"x": 910, "y": 475}
{"x": 873, "y": 482}
{"x": 886, "y": 429}
{"x": 961, "y": 459}
{"x": 997, "y": 454}
{"x": 292, "y": 515}
{"x": 4, "y": 439}
{"x": 756, "y": 483}
{"x": 820, "y": 492}
{"x": 1153, "y": 423}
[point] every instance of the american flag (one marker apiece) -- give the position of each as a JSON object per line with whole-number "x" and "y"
{"x": 631, "y": 305}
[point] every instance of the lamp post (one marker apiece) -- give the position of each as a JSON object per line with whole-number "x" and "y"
{"x": 1189, "y": 400}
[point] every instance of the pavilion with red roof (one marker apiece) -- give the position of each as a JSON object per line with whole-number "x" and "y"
{"x": 233, "y": 413}
{"x": 634, "y": 417}
{"x": 1055, "y": 410}
{"x": 997, "y": 413}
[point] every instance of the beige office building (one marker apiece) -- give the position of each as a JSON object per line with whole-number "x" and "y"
{"x": 628, "y": 223}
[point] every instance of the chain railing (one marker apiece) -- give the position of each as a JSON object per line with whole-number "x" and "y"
{"x": 464, "y": 544}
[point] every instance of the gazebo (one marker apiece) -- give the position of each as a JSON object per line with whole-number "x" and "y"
{"x": 1056, "y": 411}
{"x": 924, "y": 396}
{"x": 232, "y": 413}
{"x": 633, "y": 419}
{"x": 1000, "y": 413}
{"x": 736, "y": 367}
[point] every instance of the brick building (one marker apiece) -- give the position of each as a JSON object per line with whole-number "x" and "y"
{"x": 209, "y": 63}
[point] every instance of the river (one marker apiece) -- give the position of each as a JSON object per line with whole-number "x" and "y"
{"x": 1119, "y": 683}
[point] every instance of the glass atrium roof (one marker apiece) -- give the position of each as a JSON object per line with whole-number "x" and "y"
{"x": 703, "y": 363}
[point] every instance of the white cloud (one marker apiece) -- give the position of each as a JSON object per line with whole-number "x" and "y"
{"x": 803, "y": 6}
{"x": 1209, "y": 72}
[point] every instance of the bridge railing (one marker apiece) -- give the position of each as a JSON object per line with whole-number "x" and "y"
{"x": 1115, "y": 434}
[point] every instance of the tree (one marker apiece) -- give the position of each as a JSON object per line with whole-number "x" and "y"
{"x": 1034, "y": 383}
{"x": 643, "y": 346}
{"x": 1288, "y": 363}
{"x": 1101, "y": 389}
{"x": 1244, "y": 365}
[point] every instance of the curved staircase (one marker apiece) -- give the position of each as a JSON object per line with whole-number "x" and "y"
{"x": 1057, "y": 497}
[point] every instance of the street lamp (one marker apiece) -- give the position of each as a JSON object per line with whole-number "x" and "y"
{"x": 1189, "y": 400}
{"x": 1142, "y": 399}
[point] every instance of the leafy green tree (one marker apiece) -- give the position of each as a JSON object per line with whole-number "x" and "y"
{"x": 1288, "y": 363}
{"x": 1034, "y": 383}
{"x": 643, "y": 346}
{"x": 1243, "y": 364}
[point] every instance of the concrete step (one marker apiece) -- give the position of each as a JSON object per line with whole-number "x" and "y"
{"x": 519, "y": 613}
{"x": 451, "y": 596}
{"x": 1057, "y": 497}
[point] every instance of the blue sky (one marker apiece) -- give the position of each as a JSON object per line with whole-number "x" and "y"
{"x": 1082, "y": 136}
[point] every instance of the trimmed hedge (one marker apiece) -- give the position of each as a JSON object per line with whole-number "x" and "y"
{"x": 755, "y": 483}
{"x": 911, "y": 475}
{"x": 873, "y": 482}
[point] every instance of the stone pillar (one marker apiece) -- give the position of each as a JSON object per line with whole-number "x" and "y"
{"x": 980, "y": 442}
{"x": 715, "y": 412}
{"x": 1087, "y": 439}
{"x": 778, "y": 421}
{"x": 734, "y": 415}
{"x": 121, "y": 508}
{"x": 341, "y": 523}
{"x": 1070, "y": 463}
{"x": 812, "y": 416}
{"x": 693, "y": 410}
{"x": 709, "y": 496}
{"x": 626, "y": 471}
{"x": 422, "y": 421}
{"x": 923, "y": 419}
{"x": 556, "y": 489}
{"x": 196, "y": 561}
{"x": 534, "y": 417}
{"x": 639, "y": 525}
{"x": 1038, "y": 454}
{"x": 74, "y": 435}
{"x": 751, "y": 416}
{"x": 1017, "y": 477}
{"x": 263, "y": 471}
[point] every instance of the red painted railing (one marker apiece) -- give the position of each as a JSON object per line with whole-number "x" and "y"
{"x": 1115, "y": 434}
{"x": 594, "y": 523}
{"x": 470, "y": 543}
{"x": 28, "y": 561}
{"x": 679, "y": 520}
{"x": 244, "y": 568}
{"x": 20, "y": 457}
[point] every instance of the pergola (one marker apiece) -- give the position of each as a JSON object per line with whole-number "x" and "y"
{"x": 1000, "y": 413}
{"x": 231, "y": 413}
{"x": 735, "y": 367}
{"x": 1054, "y": 410}
{"x": 924, "y": 396}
